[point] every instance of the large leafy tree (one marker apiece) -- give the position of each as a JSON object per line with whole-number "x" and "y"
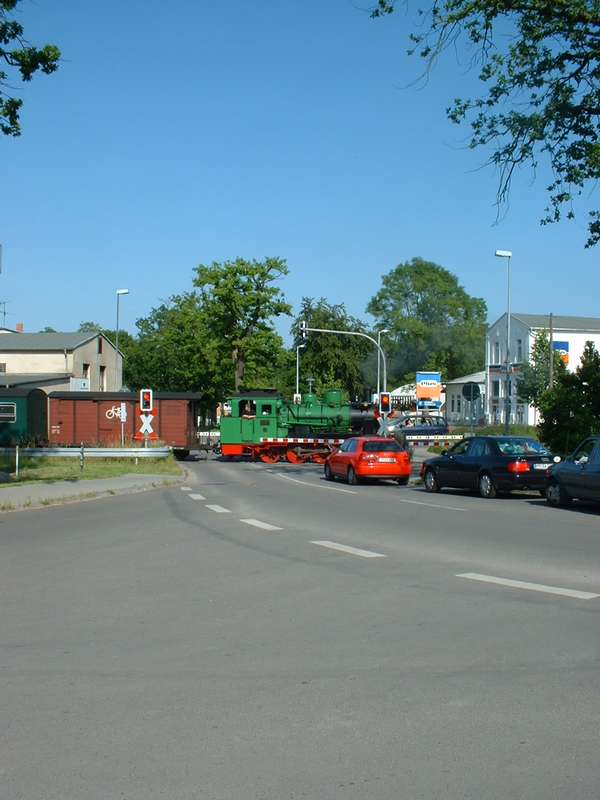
{"x": 434, "y": 323}
{"x": 335, "y": 362}
{"x": 240, "y": 299}
{"x": 539, "y": 61}
{"x": 571, "y": 409}
{"x": 534, "y": 376}
{"x": 22, "y": 60}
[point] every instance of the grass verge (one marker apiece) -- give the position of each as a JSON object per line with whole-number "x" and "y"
{"x": 68, "y": 469}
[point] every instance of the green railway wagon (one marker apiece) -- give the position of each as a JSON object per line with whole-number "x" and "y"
{"x": 23, "y": 417}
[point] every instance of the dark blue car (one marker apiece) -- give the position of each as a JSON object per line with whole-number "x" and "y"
{"x": 577, "y": 477}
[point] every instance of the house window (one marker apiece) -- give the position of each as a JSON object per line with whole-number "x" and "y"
{"x": 3, "y": 367}
{"x": 102, "y": 379}
{"x": 86, "y": 371}
{"x": 496, "y": 352}
{"x": 453, "y": 403}
{"x": 99, "y": 344}
{"x": 495, "y": 388}
{"x": 458, "y": 403}
{"x": 519, "y": 351}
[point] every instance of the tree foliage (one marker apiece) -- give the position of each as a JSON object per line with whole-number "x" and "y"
{"x": 239, "y": 300}
{"x": 23, "y": 60}
{"x": 434, "y": 322}
{"x": 335, "y": 362}
{"x": 540, "y": 63}
{"x": 571, "y": 409}
{"x": 534, "y": 377}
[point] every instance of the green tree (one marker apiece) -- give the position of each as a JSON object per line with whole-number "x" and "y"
{"x": 335, "y": 362}
{"x": 571, "y": 409}
{"x": 48, "y": 329}
{"x": 540, "y": 63}
{"x": 24, "y": 60}
{"x": 433, "y": 321}
{"x": 239, "y": 300}
{"x": 534, "y": 376}
{"x": 89, "y": 327}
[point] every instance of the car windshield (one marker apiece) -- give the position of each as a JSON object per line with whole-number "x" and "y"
{"x": 381, "y": 447}
{"x": 521, "y": 447}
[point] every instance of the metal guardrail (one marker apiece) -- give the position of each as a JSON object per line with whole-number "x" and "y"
{"x": 88, "y": 452}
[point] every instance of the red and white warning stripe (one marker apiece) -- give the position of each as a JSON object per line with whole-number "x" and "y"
{"x": 271, "y": 440}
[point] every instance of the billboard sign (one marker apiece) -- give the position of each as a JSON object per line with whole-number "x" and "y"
{"x": 563, "y": 349}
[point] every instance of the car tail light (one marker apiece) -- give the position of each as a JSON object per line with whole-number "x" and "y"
{"x": 401, "y": 457}
{"x": 368, "y": 458}
{"x": 517, "y": 467}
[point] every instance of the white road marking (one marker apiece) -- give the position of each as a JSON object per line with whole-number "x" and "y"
{"x": 533, "y": 587}
{"x": 185, "y": 488}
{"x": 355, "y": 551}
{"x": 314, "y": 485}
{"x": 431, "y": 505}
{"x": 259, "y": 524}
{"x": 219, "y": 509}
{"x": 197, "y": 496}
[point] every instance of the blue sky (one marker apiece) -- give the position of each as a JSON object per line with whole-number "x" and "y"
{"x": 182, "y": 133}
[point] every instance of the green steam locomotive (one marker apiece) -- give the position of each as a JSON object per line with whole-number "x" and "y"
{"x": 264, "y": 425}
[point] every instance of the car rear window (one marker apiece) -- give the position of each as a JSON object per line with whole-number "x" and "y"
{"x": 521, "y": 447}
{"x": 381, "y": 447}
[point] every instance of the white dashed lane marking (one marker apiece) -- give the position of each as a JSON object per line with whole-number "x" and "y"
{"x": 195, "y": 496}
{"x": 532, "y": 587}
{"x": 354, "y": 551}
{"x": 430, "y": 505}
{"x": 218, "y": 509}
{"x": 314, "y": 485}
{"x": 185, "y": 488}
{"x": 257, "y": 523}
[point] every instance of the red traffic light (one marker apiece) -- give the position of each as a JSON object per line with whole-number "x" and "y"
{"x": 385, "y": 402}
{"x": 146, "y": 400}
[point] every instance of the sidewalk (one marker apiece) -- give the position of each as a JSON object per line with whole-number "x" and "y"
{"x": 40, "y": 494}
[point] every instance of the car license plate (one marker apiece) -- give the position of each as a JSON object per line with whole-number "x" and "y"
{"x": 541, "y": 466}
{"x": 386, "y": 460}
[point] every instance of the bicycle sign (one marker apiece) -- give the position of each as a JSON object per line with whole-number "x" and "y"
{"x": 117, "y": 412}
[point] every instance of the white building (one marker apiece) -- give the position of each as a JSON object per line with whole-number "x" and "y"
{"x": 458, "y": 410}
{"x": 569, "y": 335}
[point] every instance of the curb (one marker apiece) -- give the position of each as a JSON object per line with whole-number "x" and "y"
{"x": 31, "y": 505}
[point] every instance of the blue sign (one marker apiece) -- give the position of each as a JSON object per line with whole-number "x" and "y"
{"x": 563, "y": 349}
{"x": 423, "y": 405}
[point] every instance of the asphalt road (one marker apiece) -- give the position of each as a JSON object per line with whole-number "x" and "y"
{"x": 215, "y": 642}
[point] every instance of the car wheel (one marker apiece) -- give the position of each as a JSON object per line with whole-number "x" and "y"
{"x": 486, "y": 486}
{"x": 351, "y": 477}
{"x": 328, "y": 472}
{"x": 431, "y": 481}
{"x": 556, "y": 495}
{"x": 402, "y": 481}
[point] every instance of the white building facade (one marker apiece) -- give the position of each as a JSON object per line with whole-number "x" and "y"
{"x": 461, "y": 411}
{"x": 569, "y": 336}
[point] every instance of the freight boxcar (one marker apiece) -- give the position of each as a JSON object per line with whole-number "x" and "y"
{"x": 23, "y": 417}
{"x": 105, "y": 419}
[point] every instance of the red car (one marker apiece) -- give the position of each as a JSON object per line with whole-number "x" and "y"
{"x": 369, "y": 457}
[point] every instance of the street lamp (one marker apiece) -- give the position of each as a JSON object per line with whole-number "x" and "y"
{"x": 117, "y": 387}
{"x": 300, "y": 347}
{"x": 384, "y": 330}
{"x": 507, "y": 254}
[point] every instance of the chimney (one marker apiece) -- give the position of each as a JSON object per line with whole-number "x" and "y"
{"x": 19, "y": 327}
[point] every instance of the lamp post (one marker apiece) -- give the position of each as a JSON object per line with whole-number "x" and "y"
{"x": 507, "y": 254}
{"x": 384, "y": 330}
{"x": 300, "y": 347}
{"x": 117, "y": 387}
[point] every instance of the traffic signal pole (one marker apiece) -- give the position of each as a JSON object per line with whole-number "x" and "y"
{"x": 304, "y": 328}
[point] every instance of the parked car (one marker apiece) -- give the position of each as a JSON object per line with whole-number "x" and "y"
{"x": 369, "y": 457}
{"x": 489, "y": 464}
{"x": 421, "y": 425}
{"x": 577, "y": 477}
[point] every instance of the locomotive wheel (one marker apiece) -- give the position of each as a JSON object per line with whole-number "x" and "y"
{"x": 293, "y": 457}
{"x": 269, "y": 457}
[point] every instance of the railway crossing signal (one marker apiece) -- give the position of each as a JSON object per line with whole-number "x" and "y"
{"x": 385, "y": 402}
{"x": 146, "y": 400}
